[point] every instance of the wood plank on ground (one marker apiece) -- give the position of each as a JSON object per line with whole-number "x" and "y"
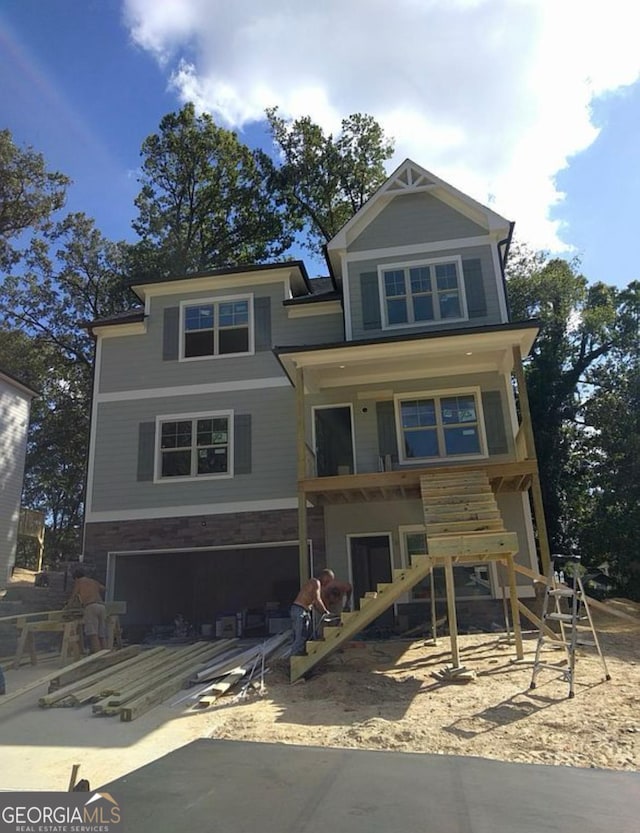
{"x": 85, "y": 682}
{"x": 142, "y": 704}
{"x": 7, "y": 698}
{"x": 108, "y": 661}
{"x": 139, "y": 687}
{"x": 216, "y": 690}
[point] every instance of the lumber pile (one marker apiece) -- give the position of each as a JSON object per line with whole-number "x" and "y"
{"x": 141, "y": 680}
{"x": 238, "y": 672}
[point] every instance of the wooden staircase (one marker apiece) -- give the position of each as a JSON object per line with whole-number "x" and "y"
{"x": 463, "y": 526}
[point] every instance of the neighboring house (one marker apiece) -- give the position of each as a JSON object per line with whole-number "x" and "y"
{"x": 244, "y": 410}
{"x": 15, "y": 405}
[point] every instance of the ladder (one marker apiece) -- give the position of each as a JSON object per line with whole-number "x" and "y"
{"x": 570, "y": 638}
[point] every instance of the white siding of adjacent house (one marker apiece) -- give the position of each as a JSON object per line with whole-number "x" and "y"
{"x": 14, "y": 423}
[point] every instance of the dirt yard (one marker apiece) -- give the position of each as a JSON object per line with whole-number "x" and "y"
{"x": 373, "y": 695}
{"x": 382, "y": 696}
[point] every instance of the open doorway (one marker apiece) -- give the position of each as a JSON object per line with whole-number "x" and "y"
{"x": 333, "y": 431}
{"x": 370, "y": 560}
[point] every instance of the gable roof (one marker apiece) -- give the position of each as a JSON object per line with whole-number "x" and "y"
{"x": 297, "y": 274}
{"x": 17, "y": 383}
{"x": 411, "y": 178}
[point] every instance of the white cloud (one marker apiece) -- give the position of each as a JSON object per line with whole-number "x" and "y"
{"x": 492, "y": 95}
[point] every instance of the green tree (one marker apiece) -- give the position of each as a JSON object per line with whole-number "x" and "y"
{"x": 204, "y": 202}
{"x": 581, "y": 325}
{"x": 69, "y": 275}
{"x": 324, "y": 180}
{"x": 29, "y": 195}
{"x": 611, "y": 446}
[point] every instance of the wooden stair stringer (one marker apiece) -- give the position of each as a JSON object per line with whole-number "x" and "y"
{"x": 354, "y": 622}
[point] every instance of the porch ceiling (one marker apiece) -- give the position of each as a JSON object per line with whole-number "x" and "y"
{"x": 424, "y": 355}
{"x": 405, "y": 485}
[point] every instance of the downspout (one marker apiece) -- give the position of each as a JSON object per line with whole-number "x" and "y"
{"x": 503, "y": 255}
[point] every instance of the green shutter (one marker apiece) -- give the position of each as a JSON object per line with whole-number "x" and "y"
{"x": 474, "y": 288}
{"x": 242, "y": 444}
{"x": 171, "y": 334}
{"x": 262, "y": 320}
{"x": 387, "y": 439}
{"x": 369, "y": 291}
{"x": 494, "y": 422}
{"x": 146, "y": 450}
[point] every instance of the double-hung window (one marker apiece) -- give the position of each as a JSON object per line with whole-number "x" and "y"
{"x": 219, "y": 327}
{"x": 422, "y": 293}
{"x": 432, "y": 426}
{"x": 195, "y": 446}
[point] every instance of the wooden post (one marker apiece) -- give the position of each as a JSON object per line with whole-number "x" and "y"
{"x": 515, "y": 613}
{"x": 303, "y": 554}
{"x": 536, "y": 491}
{"x": 434, "y": 618}
{"x": 543, "y": 537}
{"x": 451, "y": 610}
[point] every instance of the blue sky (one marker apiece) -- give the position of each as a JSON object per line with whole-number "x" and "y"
{"x": 529, "y": 105}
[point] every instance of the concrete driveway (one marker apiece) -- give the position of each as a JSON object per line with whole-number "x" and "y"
{"x": 240, "y": 787}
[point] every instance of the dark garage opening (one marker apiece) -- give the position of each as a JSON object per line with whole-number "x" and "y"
{"x": 203, "y": 586}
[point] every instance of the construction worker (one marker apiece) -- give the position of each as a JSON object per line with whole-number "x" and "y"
{"x": 309, "y": 598}
{"x": 336, "y": 595}
{"x": 88, "y": 592}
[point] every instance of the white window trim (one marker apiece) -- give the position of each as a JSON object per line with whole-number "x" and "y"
{"x": 439, "y": 394}
{"x": 414, "y": 264}
{"x": 408, "y": 529}
{"x": 217, "y": 300}
{"x": 157, "y": 467}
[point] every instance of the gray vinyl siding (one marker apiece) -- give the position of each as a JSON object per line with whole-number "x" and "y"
{"x": 386, "y": 517}
{"x": 138, "y": 362}
{"x": 366, "y": 519}
{"x": 365, "y": 413}
{"x": 363, "y": 329}
{"x": 411, "y": 219}
{"x": 273, "y": 463}
{"x": 14, "y": 424}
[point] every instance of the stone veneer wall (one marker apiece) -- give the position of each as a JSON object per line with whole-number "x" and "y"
{"x": 200, "y": 531}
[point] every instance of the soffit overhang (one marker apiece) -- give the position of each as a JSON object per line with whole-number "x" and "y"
{"x": 418, "y": 356}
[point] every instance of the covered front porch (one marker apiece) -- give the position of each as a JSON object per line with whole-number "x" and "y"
{"x": 363, "y": 374}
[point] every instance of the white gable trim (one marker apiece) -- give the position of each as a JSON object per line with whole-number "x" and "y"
{"x": 419, "y": 248}
{"x": 411, "y": 178}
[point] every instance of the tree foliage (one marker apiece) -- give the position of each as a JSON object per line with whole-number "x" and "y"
{"x": 324, "y": 180}
{"x": 204, "y": 202}
{"x": 69, "y": 274}
{"x": 582, "y": 328}
{"x": 29, "y": 195}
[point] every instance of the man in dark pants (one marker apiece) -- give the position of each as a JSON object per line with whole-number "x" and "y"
{"x": 308, "y": 599}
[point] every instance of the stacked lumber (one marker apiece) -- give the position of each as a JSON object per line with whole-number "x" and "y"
{"x": 142, "y": 680}
{"x": 246, "y": 667}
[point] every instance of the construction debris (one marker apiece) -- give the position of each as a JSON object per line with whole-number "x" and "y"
{"x": 454, "y": 674}
{"x": 228, "y": 671}
{"x": 133, "y": 680}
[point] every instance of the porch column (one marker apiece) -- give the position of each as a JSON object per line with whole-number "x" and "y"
{"x": 536, "y": 491}
{"x": 303, "y": 556}
{"x": 451, "y": 609}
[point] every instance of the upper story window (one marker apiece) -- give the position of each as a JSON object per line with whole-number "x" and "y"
{"x": 440, "y": 425}
{"x": 195, "y": 446}
{"x": 429, "y": 292}
{"x": 219, "y": 327}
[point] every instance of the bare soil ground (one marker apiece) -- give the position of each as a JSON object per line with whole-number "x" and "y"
{"x": 373, "y": 695}
{"x": 382, "y": 696}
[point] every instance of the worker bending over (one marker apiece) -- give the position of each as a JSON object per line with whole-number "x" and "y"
{"x": 309, "y": 598}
